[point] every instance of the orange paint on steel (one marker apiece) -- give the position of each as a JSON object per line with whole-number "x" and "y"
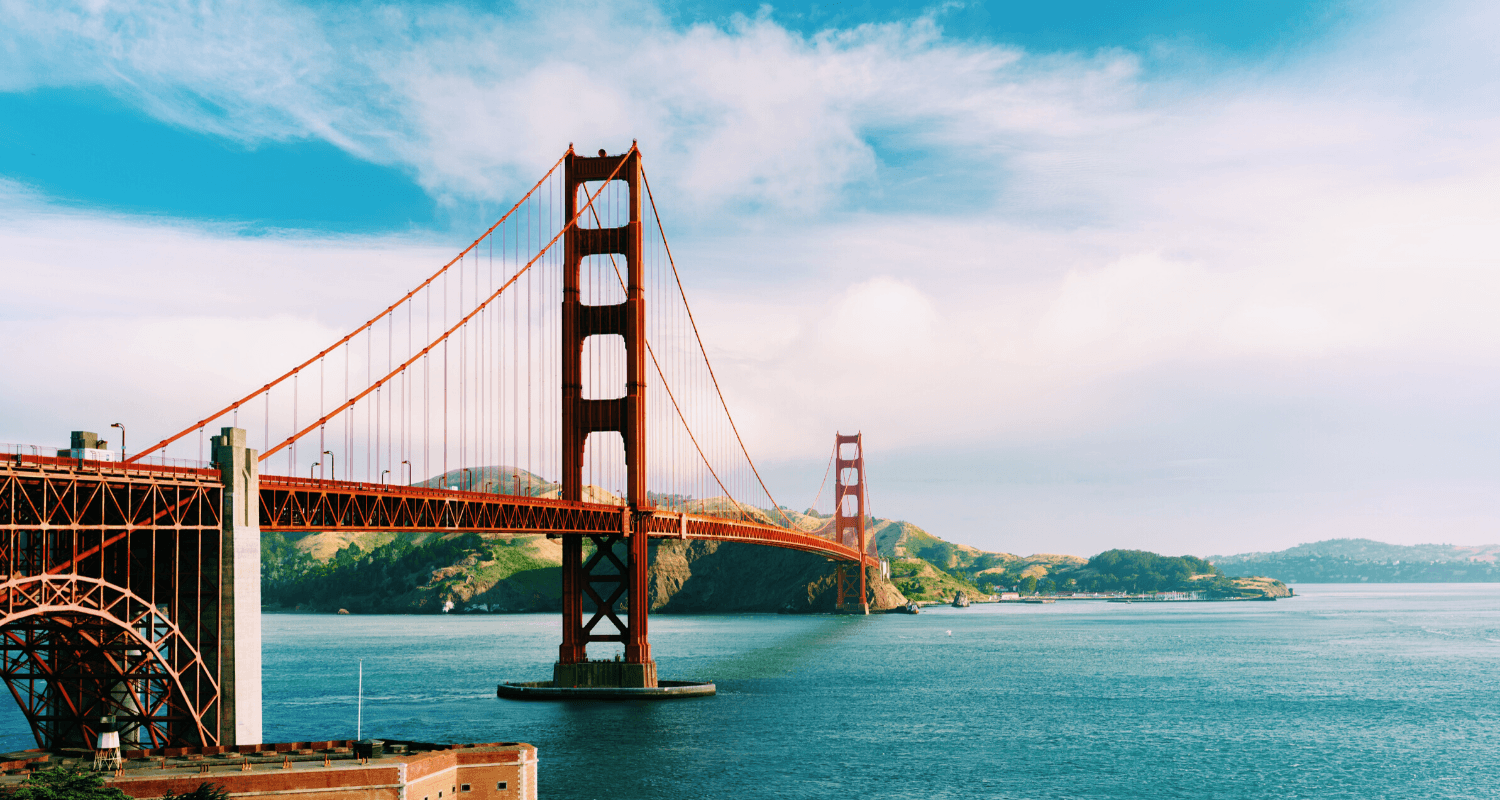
{"x": 351, "y": 505}
{"x": 852, "y": 525}
{"x": 625, "y": 415}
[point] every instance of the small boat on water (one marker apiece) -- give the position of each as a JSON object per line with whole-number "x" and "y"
{"x": 909, "y": 608}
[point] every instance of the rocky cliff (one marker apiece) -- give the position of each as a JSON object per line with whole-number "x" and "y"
{"x": 728, "y": 576}
{"x": 497, "y": 573}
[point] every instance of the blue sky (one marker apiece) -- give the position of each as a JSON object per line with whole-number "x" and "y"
{"x": 85, "y": 145}
{"x": 1245, "y": 28}
{"x": 1192, "y": 277}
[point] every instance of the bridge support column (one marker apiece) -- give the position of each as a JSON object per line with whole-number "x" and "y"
{"x": 847, "y": 587}
{"x": 624, "y": 575}
{"x": 849, "y": 519}
{"x": 239, "y": 591}
{"x": 608, "y": 578}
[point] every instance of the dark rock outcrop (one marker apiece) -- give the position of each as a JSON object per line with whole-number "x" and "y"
{"x": 708, "y": 577}
{"x": 518, "y": 574}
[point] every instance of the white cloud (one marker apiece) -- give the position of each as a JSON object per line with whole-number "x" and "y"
{"x": 1120, "y": 234}
{"x": 476, "y": 102}
{"x": 164, "y": 321}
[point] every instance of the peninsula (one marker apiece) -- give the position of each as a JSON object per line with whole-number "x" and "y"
{"x": 490, "y": 573}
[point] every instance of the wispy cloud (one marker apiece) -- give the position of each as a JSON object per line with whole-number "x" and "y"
{"x": 1093, "y": 251}
{"x": 475, "y": 101}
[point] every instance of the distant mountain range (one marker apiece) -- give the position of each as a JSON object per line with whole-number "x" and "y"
{"x": 1369, "y": 561}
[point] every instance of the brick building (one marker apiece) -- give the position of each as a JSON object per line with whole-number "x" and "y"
{"x": 334, "y": 770}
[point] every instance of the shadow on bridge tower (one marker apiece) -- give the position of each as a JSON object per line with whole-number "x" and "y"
{"x": 849, "y": 520}
{"x": 610, "y": 585}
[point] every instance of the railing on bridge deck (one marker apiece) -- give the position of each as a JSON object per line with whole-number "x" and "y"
{"x": 312, "y": 505}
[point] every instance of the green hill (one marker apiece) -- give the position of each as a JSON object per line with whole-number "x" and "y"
{"x": 432, "y": 572}
{"x": 491, "y": 573}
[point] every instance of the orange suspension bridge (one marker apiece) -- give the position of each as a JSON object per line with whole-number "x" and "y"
{"x": 132, "y": 589}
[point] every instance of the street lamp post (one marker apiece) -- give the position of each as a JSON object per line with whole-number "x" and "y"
{"x": 408, "y": 472}
{"x": 333, "y": 464}
{"x": 122, "y": 438}
{"x": 311, "y": 470}
{"x": 384, "y": 473}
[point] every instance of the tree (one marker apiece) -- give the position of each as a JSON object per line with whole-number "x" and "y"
{"x": 205, "y": 791}
{"x": 1138, "y": 570}
{"x": 1028, "y": 585}
{"x": 66, "y": 783}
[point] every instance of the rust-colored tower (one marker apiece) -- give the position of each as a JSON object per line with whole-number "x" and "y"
{"x": 849, "y": 517}
{"x": 607, "y": 578}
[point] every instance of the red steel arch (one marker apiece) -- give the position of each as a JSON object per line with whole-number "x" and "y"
{"x": 75, "y": 648}
{"x": 111, "y": 599}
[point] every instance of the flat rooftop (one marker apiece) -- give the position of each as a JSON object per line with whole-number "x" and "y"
{"x": 310, "y": 770}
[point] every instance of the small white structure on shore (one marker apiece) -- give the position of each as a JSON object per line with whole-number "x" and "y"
{"x": 107, "y": 754}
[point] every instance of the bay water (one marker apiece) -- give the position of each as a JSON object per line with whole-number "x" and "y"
{"x": 1346, "y": 691}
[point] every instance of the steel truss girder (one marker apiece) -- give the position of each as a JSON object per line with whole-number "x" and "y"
{"x": 98, "y": 648}
{"x": 35, "y": 496}
{"x": 109, "y": 599}
{"x": 301, "y": 505}
{"x": 297, "y": 504}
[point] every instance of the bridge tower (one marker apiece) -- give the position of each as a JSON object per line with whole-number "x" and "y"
{"x": 849, "y": 518}
{"x": 609, "y": 577}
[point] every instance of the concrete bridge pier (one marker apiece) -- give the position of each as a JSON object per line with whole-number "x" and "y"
{"x": 239, "y": 592}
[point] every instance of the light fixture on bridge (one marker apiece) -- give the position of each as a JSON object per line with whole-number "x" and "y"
{"x": 333, "y": 464}
{"x": 122, "y": 438}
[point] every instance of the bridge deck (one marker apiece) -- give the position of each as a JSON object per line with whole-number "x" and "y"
{"x": 311, "y": 505}
{"x": 305, "y": 505}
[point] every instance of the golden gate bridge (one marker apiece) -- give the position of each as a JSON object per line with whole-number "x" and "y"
{"x": 560, "y": 342}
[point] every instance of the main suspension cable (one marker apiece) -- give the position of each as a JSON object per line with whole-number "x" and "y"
{"x": 652, "y": 352}
{"x": 235, "y": 405}
{"x": 699, "y": 337}
{"x": 456, "y": 326}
